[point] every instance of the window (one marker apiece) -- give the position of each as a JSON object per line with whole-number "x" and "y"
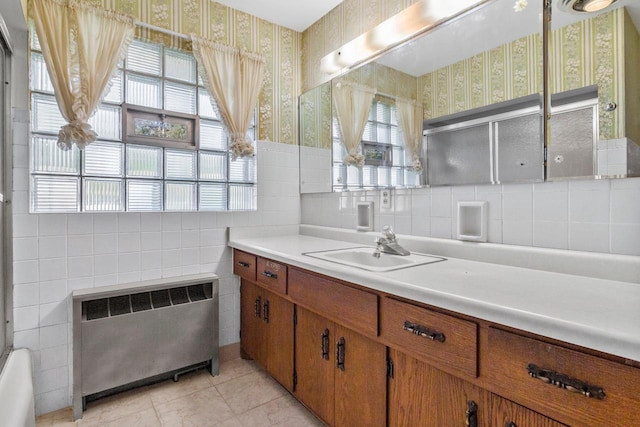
{"x": 383, "y": 134}
{"x": 118, "y": 173}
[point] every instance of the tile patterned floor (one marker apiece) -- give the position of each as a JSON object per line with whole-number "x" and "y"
{"x": 242, "y": 395}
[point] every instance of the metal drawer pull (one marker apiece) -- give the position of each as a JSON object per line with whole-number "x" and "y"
{"x": 471, "y": 414}
{"x": 340, "y": 354}
{"x": 244, "y": 264}
{"x": 566, "y": 382}
{"x": 269, "y": 274}
{"x": 265, "y": 313}
{"x": 510, "y": 424}
{"x": 257, "y": 307}
{"x": 325, "y": 344}
{"x": 423, "y": 331}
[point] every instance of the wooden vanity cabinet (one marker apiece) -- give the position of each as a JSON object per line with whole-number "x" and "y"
{"x": 421, "y": 395}
{"x": 341, "y": 374}
{"x": 266, "y": 327}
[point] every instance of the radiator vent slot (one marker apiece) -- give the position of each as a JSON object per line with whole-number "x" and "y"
{"x": 125, "y": 304}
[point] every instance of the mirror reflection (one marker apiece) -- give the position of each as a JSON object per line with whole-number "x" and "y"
{"x": 594, "y": 128}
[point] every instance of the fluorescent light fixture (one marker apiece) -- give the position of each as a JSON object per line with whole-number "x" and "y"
{"x": 418, "y": 18}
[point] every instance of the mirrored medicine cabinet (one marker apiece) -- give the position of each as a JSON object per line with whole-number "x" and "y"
{"x": 480, "y": 82}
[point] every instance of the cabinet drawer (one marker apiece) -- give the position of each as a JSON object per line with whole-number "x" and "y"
{"x": 510, "y": 357}
{"x": 244, "y": 265}
{"x": 272, "y": 275}
{"x": 442, "y": 340}
{"x": 349, "y": 306}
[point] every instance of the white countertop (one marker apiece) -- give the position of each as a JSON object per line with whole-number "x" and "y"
{"x": 596, "y": 313}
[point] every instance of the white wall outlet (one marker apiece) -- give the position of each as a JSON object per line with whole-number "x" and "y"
{"x": 385, "y": 199}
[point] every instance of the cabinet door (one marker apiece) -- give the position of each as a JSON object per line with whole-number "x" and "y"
{"x": 360, "y": 380}
{"x": 279, "y": 321}
{"x": 315, "y": 363}
{"x": 505, "y": 413}
{"x": 252, "y": 326}
{"x": 421, "y": 395}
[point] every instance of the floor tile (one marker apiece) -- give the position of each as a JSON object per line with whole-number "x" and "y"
{"x": 60, "y": 418}
{"x": 146, "y": 418}
{"x": 187, "y": 384}
{"x": 284, "y": 411}
{"x": 200, "y": 409}
{"x": 234, "y": 369}
{"x": 117, "y": 406}
{"x": 250, "y": 391}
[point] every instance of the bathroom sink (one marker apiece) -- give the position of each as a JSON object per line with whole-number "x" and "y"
{"x": 362, "y": 257}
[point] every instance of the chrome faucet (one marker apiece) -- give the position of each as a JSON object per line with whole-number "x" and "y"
{"x": 389, "y": 244}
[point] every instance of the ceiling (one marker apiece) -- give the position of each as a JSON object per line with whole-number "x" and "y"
{"x": 295, "y": 14}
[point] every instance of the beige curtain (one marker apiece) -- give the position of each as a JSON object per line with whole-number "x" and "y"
{"x": 410, "y": 121}
{"x": 353, "y": 103}
{"x": 234, "y": 78}
{"x": 81, "y": 46}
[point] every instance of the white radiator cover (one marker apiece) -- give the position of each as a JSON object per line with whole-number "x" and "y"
{"x": 126, "y": 334}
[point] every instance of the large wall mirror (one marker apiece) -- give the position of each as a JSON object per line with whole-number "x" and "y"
{"x": 479, "y": 81}
{"x": 594, "y": 128}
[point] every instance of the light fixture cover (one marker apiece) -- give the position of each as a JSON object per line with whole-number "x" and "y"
{"x": 584, "y": 6}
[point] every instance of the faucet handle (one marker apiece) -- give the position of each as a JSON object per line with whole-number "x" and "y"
{"x": 388, "y": 232}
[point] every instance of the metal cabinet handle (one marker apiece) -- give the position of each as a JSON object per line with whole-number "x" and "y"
{"x": 423, "y": 331}
{"x": 244, "y": 264}
{"x": 265, "y": 313}
{"x": 566, "y": 382}
{"x": 340, "y": 353}
{"x": 269, "y": 274}
{"x": 257, "y": 306}
{"x": 325, "y": 344}
{"x": 471, "y": 414}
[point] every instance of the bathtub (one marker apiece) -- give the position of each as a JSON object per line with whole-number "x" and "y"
{"x": 17, "y": 406}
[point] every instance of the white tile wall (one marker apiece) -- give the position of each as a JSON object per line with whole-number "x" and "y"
{"x": 56, "y": 254}
{"x": 585, "y": 215}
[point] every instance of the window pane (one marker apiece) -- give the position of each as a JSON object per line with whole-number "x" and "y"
{"x": 339, "y": 175}
{"x": 397, "y": 177}
{"x": 383, "y": 176}
{"x": 204, "y": 104}
{"x": 411, "y": 177}
{"x": 398, "y": 156}
{"x": 39, "y": 76}
{"x": 213, "y": 166}
{"x": 145, "y": 91}
{"x": 46, "y": 116}
{"x": 107, "y": 121}
{"x": 242, "y": 169}
{"x": 384, "y": 134}
{"x": 180, "y": 164}
{"x": 383, "y": 112}
{"x": 35, "y": 43}
{"x": 144, "y": 196}
{"x": 180, "y": 66}
{"x": 180, "y": 196}
{"x": 115, "y": 92}
{"x": 369, "y": 176}
{"x": 213, "y": 197}
{"x": 54, "y": 194}
{"x": 353, "y": 177}
{"x": 369, "y": 133}
{"x": 339, "y": 152}
{"x": 48, "y": 158}
{"x": 145, "y": 57}
{"x": 396, "y": 136}
{"x": 394, "y": 116}
{"x": 103, "y": 159}
{"x": 102, "y": 194}
{"x": 212, "y": 136}
{"x": 180, "y": 98}
{"x": 242, "y": 197}
{"x": 143, "y": 161}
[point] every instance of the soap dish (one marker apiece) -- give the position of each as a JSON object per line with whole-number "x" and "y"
{"x": 472, "y": 221}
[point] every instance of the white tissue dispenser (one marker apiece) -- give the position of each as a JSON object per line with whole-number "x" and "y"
{"x": 472, "y": 221}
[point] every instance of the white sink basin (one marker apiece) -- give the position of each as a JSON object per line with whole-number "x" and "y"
{"x": 362, "y": 257}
